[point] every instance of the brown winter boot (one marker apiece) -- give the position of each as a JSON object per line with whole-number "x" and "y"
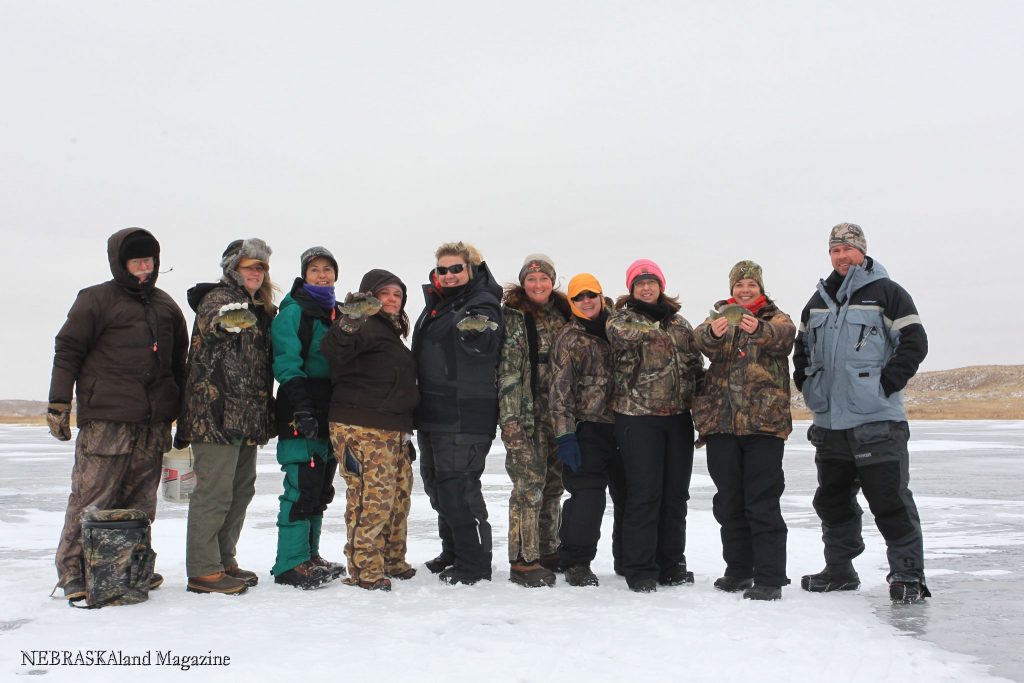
{"x": 530, "y": 574}
{"x": 249, "y": 577}
{"x": 218, "y": 582}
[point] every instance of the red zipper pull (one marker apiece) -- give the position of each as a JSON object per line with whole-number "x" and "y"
{"x": 312, "y": 465}
{"x": 154, "y": 347}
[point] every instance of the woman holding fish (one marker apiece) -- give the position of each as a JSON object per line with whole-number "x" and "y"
{"x": 228, "y": 411}
{"x": 656, "y": 368}
{"x": 373, "y": 376}
{"x": 303, "y": 397}
{"x": 457, "y": 342}
{"x": 743, "y": 415}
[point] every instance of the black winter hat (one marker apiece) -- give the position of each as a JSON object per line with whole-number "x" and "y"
{"x": 139, "y": 244}
{"x": 377, "y": 278}
{"x": 318, "y": 252}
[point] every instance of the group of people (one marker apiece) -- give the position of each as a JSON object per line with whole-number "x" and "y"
{"x": 589, "y": 396}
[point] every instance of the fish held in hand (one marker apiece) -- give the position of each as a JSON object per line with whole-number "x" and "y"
{"x": 732, "y": 312}
{"x": 361, "y": 306}
{"x": 235, "y": 317}
{"x": 476, "y": 323}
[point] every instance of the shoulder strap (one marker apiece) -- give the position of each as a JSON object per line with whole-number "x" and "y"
{"x": 533, "y": 347}
{"x": 305, "y": 334}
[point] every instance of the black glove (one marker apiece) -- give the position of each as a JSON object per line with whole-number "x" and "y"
{"x": 305, "y": 425}
{"x": 179, "y": 442}
{"x": 58, "y": 419}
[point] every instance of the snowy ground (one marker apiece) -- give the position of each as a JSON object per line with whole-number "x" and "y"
{"x": 965, "y": 475}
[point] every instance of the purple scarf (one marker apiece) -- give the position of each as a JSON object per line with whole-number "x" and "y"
{"x": 322, "y": 295}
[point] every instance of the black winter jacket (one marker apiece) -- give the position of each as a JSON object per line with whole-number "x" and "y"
{"x": 458, "y": 370}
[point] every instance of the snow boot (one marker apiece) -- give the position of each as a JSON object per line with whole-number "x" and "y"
{"x": 74, "y": 589}
{"x": 675, "y": 576}
{"x": 643, "y": 586}
{"x": 378, "y": 585}
{"x": 249, "y": 577}
{"x": 552, "y": 563}
{"x": 908, "y": 592}
{"x": 218, "y": 582}
{"x": 834, "y": 577}
{"x": 457, "y": 574}
{"x": 733, "y": 584}
{"x": 580, "y": 575}
{"x": 531, "y": 574}
{"x": 441, "y": 562}
{"x": 759, "y": 591}
{"x": 336, "y": 569}
{"x": 306, "y": 576}
{"x": 403, "y": 575}
{"x": 155, "y": 581}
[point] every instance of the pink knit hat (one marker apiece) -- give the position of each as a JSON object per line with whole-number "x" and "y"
{"x": 644, "y": 267}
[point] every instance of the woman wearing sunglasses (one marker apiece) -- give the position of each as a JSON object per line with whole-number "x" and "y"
{"x": 581, "y": 390}
{"x": 534, "y": 313}
{"x": 657, "y": 367}
{"x": 744, "y": 416}
{"x": 457, "y": 341}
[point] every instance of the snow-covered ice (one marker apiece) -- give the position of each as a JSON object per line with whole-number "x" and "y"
{"x": 965, "y": 476}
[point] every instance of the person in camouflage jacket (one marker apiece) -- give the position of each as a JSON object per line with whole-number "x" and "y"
{"x": 743, "y": 414}
{"x": 656, "y": 369}
{"x": 581, "y": 393}
{"x": 533, "y": 312}
{"x": 228, "y": 411}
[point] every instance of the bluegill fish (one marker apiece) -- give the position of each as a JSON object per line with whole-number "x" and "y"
{"x": 731, "y": 312}
{"x": 361, "y": 306}
{"x": 476, "y": 323}
{"x": 236, "y": 317}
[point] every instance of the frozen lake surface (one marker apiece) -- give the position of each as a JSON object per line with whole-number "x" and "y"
{"x": 966, "y": 477}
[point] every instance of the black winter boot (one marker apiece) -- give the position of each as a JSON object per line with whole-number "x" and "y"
{"x": 675, "y": 576}
{"x": 733, "y": 584}
{"x": 834, "y": 577}
{"x": 580, "y": 575}
{"x": 643, "y": 586}
{"x": 908, "y": 592}
{"x": 763, "y": 592}
{"x": 336, "y": 569}
{"x": 552, "y": 563}
{"x": 306, "y": 576}
{"x": 457, "y": 574}
{"x": 440, "y": 563}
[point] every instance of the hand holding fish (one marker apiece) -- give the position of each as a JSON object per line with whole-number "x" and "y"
{"x": 235, "y": 317}
{"x": 476, "y": 323}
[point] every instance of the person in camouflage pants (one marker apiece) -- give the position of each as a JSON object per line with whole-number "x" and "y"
{"x": 378, "y": 480}
{"x": 743, "y": 414}
{"x": 534, "y": 312}
{"x": 373, "y": 399}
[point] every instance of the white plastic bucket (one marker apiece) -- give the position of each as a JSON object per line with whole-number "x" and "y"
{"x": 178, "y": 480}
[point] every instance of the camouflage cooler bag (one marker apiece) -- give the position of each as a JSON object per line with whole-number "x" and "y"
{"x": 119, "y": 559}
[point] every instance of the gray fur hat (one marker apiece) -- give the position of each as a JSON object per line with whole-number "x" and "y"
{"x": 318, "y": 252}
{"x": 850, "y": 234}
{"x": 252, "y": 248}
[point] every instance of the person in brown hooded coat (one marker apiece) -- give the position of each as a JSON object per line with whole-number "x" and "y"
{"x": 123, "y": 349}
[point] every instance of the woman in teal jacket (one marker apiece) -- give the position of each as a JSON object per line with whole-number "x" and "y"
{"x": 304, "y": 448}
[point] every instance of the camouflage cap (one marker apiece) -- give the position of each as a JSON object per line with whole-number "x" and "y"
{"x": 537, "y": 263}
{"x": 850, "y": 234}
{"x": 746, "y": 270}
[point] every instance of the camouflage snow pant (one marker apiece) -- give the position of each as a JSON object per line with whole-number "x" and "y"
{"x": 534, "y": 507}
{"x": 117, "y": 465}
{"x": 378, "y": 480}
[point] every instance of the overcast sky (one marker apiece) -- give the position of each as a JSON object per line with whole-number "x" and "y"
{"x": 693, "y": 133}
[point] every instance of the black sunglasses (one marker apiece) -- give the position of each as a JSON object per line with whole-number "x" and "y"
{"x": 585, "y": 295}
{"x": 454, "y": 270}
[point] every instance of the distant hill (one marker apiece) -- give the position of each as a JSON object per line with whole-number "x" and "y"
{"x": 978, "y": 392}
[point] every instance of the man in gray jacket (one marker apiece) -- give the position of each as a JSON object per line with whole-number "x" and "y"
{"x": 860, "y": 341}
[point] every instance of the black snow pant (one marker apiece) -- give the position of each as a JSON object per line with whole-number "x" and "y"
{"x": 657, "y": 456}
{"x": 747, "y": 471}
{"x": 873, "y": 458}
{"x": 600, "y": 468}
{"x": 451, "y": 466}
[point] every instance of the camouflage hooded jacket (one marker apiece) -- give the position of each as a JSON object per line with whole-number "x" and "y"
{"x": 746, "y": 389}
{"x": 581, "y": 377}
{"x": 655, "y": 363}
{"x": 518, "y": 399}
{"x": 229, "y": 392}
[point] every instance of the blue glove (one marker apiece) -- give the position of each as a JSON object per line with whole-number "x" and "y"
{"x": 569, "y": 451}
